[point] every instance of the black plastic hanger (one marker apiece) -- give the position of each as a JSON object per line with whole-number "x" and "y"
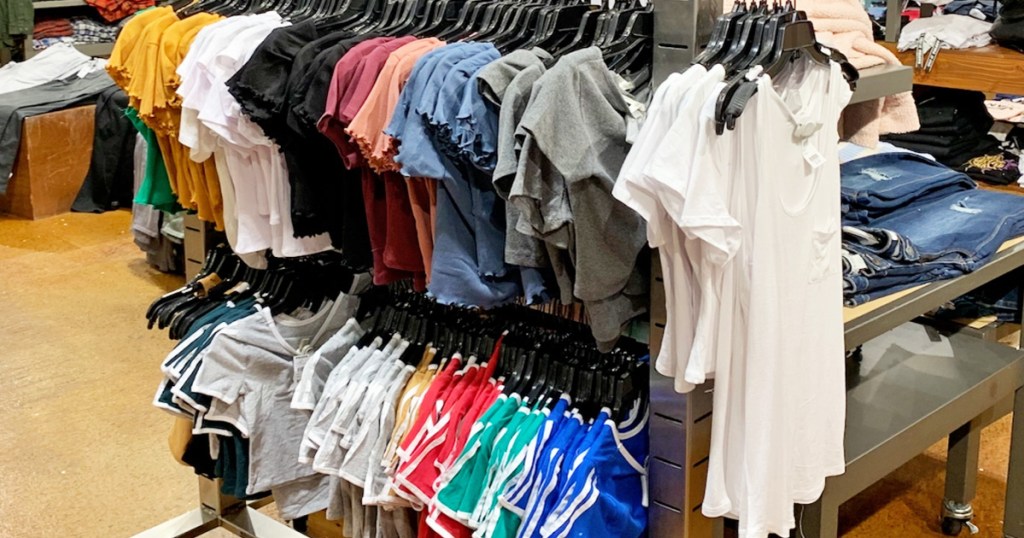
{"x": 721, "y": 35}
{"x": 794, "y": 40}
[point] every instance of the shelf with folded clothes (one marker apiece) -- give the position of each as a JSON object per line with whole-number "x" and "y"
{"x": 89, "y": 49}
{"x": 90, "y": 35}
{"x": 990, "y": 69}
{"x": 872, "y": 318}
{"x": 53, "y": 4}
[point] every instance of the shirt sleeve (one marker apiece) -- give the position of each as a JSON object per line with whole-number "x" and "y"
{"x": 222, "y": 374}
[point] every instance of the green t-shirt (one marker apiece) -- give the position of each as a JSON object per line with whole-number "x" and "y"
{"x": 155, "y": 189}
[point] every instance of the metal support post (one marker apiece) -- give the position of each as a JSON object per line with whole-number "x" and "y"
{"x": 962, "y": 463}
{"x": 818, "y": 520}
{"x": 1013, "y": 518}
{"x": 961, "y": 477}
{"x": 223, "y": 511}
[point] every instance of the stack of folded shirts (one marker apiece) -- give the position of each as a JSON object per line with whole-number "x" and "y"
{"x": 115, "y": 10}
{"x": 917, "y": 221}
{"x": 1002, "y": 166}
{"x": 954, "y": 126}
{"x": 87, "y": 30}
{"x": 52, "y": 28}
{"x": 47, "y": 42}
{"x": 80, "y": 30}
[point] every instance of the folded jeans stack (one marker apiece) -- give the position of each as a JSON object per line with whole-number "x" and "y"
{"x": 954, "y": 126}
{"x": 879, "y": 184}
{"x": 918, "y": 224}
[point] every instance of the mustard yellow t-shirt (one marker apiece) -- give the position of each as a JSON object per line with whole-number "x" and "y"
{"x": 142, "y": 65}
{"x": 117, "y": 64}
{"x": 197, "y": 183}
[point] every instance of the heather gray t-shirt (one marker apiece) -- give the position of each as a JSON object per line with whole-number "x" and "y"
{"x": 318, "y": 368}
{"x": 558, "y": 172}
{"x": 252, "y": 363}
{"x": 520, "y": 249}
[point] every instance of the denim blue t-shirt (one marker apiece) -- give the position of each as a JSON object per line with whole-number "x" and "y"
{"x": 449, "y": 100}
{"x": 477, "y": 126}
{"x": 464, "y": 270}
{"x": 417, "y": 154}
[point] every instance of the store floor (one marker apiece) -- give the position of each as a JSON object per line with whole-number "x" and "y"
{"x": 84, "y": 454}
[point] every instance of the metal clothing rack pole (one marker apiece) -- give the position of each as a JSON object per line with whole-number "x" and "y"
{"x": 217, "y": 510}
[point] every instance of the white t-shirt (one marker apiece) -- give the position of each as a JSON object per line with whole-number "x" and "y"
{"x": 681, "y": 157}
{"x": 57, "y": 62}
{"x": 769, "y": 219}
{"x": 635, "y": 190}
{"x": 796, "y": 320}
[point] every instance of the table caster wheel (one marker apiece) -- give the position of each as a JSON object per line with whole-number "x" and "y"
{"x": 951, "y": 527}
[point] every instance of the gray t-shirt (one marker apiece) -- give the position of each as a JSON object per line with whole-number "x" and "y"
{"x": 252, "y": 363}
{"x": 319, "y": 367}
{"x": 520, "y": 248}
{"x": 494, "y": 79}
{"x": 573, "y": 144}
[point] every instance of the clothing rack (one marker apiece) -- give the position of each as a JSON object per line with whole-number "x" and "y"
{"x": 681, "y": 423}
{"x": 217, "y": 510}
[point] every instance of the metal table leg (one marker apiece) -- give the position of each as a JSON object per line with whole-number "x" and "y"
{"x": 818, "y": 520}
{"x": 961, "y": 477}
{"x": 1013, "y": 518}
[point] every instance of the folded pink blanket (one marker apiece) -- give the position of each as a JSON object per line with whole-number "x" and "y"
{"x": 844, "y": 25}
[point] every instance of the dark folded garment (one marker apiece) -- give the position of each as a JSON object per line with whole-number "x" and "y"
{"x": 52, "y": 28}
{"x": 936, "y": 140}
{"x": 999, "y": 168}
{"x": 942, "y": 107}
{"x": 1008, "y": 29}
{"x": 961, "y": 126}
{"x": 954, "y": 155}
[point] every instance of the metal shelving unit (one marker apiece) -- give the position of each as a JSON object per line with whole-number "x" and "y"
{"x": 51, "y": 4}
{"x": 89, "y": 49}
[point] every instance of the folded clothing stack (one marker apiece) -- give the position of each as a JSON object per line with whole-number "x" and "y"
{"x": 115, "y": 10}
{"x": 79, "y": 30}
{"x": 88, "y": 30}
{"x": 954, "y": 126}
{"x": 877, "y": 185}
{"x": 52, "y": 28}
{"x": 1008, "y": 30}
{"x": 919, "y": 222}
{"x": 999, "y": 298}
{"x": 1001, "y": 166}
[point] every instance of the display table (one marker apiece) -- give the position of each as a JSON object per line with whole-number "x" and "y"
{"x": 52, "y": 162}
{"x": 912, "y": 388}
{"x": 991, "y": 69}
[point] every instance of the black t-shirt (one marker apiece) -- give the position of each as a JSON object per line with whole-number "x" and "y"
{"x": 324, "y": 194}
{"x": 261, "y": 85}
{"x": 273, "y": 88}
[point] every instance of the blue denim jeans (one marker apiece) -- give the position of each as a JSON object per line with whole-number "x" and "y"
{"x": 937, "y": 240}
{"x": 876, "y": 185}
{"x": 972, "y": 224}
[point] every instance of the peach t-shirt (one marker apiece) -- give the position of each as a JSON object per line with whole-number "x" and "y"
{"x": 367, "y": 127}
